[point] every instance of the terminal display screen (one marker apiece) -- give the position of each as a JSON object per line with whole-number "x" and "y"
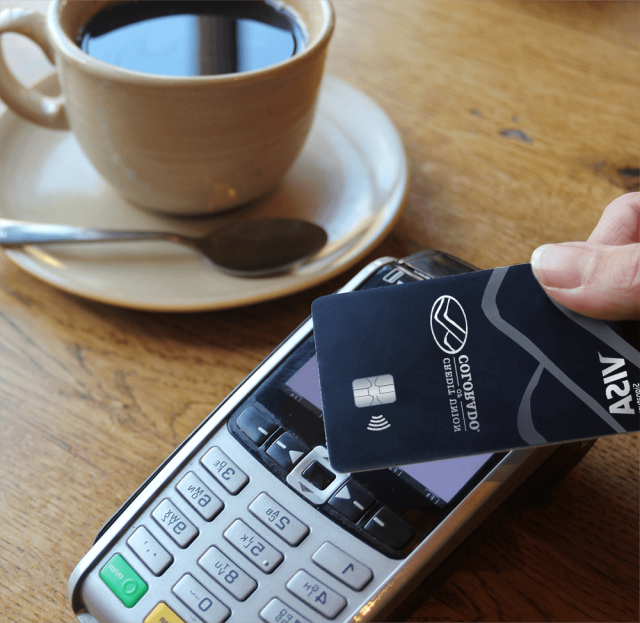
{"x": 438, "y": 480}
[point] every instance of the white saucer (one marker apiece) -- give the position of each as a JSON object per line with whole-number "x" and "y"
{"x": 351, "y": 178}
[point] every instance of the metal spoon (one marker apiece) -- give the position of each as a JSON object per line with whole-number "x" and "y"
{"x": 246, "y": 249}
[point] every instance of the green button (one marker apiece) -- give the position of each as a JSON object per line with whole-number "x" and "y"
{"x": 128, "y": 586}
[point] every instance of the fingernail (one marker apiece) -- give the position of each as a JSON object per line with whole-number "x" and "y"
{"x": 561, "y": 265}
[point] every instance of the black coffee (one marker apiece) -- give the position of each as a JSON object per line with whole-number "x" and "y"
{"x": 184, "y": 38}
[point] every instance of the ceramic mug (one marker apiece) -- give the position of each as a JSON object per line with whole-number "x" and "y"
{"x": 184, "y": 145}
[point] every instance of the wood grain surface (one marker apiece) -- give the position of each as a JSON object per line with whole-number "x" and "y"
{"x": 521, "y": 121}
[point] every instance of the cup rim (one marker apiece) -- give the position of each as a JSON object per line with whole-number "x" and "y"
{"x": 76, "y": 55}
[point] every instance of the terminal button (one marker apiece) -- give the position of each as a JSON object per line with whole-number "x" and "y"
{"x": 276, "y": 611}
{"x": 318, "y": 475}
{"x": 200, "y": 601}
{"x": 201, "y": 498}
{"x": 256, "y": 425}
{"x": 251, "y": 545}
{"x": 329, "y": 481}
{"x": 316, "y": 594}
{"x": 174, "y": 523}
{"x": 342, "y": 566}
{"x": 389, "y": 528}
{"x": 278, "y": 519}
{"x": 226, "y": 573}
{"x": 149, "y": 550}
{"x": 224, "y": 470}
{"x": 125, "y": 583}
{"x": 287, "y": 450}
{"x": 162, "y": 614}
{"x": 352, "y": 500}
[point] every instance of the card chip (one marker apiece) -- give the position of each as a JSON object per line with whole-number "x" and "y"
{"x": 374, "y": 390}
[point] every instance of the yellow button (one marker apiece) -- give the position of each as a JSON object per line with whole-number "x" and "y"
{"x": 163, "y": 614}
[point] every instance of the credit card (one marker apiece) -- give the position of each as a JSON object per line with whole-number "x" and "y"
{"x": 468, "y": 364}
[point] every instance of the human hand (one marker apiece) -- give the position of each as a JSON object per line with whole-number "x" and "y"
{"x": 601, "y": 277}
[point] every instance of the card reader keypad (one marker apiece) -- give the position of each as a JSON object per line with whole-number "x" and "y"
{"x": 251, "y": 547}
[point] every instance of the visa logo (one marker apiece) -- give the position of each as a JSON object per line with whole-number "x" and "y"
{"x": 617, "y": 385}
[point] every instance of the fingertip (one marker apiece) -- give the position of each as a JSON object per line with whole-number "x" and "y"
{"x": 536, "y": 256}
{"x": 561, "y": 265}
{"x": 594, "y": 303}
{"x": 594, "y": 280}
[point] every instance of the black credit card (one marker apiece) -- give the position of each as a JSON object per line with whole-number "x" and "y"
{"x": 468, "y": 364}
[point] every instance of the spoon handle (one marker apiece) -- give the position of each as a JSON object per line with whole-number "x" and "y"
{"x": 16, "y": 233}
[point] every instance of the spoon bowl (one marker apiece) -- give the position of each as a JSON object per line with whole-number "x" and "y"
{"x": 258, "y": 248}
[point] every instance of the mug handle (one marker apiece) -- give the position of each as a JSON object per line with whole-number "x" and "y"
{"x": 28, "y": 103}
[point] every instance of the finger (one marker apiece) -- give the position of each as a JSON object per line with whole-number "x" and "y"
{"x": 596, "y": 280}
{"x": 620, "y": 222}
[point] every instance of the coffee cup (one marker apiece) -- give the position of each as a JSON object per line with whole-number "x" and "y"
{"x": 178, "y": 144}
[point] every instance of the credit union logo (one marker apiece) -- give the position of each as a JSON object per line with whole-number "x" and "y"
{"x": 449, "y": 324}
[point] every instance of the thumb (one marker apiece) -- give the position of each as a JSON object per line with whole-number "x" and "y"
{"x": 592, "y": 279}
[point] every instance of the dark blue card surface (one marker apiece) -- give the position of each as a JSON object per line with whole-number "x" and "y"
{"x": 468, "y": 364}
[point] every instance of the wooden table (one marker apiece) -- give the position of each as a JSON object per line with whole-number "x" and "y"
{"x": 521, "y": 121}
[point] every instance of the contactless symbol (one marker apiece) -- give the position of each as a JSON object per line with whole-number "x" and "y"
{"x": 374, "y": 390}
{"x": 449, "y": 324}
{"x": 377, "y": 423}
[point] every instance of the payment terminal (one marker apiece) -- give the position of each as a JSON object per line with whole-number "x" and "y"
{"x": 247, "y": 521}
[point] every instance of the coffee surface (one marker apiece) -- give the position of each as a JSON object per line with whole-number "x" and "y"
{"x": 184, "y": 38}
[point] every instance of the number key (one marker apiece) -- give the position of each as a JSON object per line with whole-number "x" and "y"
{"x": 224, "y": 470}
{"x": 251, "y": 545}
{"x": 200, "y": 601}
{"x": 278, "y": 519}
{"x": 316, "y": 594}
{"x": 174, "y": 523}
{"x": 226, "y": 573}
{"x": 201, "y": 498}
{"x": 342, "y": 566}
